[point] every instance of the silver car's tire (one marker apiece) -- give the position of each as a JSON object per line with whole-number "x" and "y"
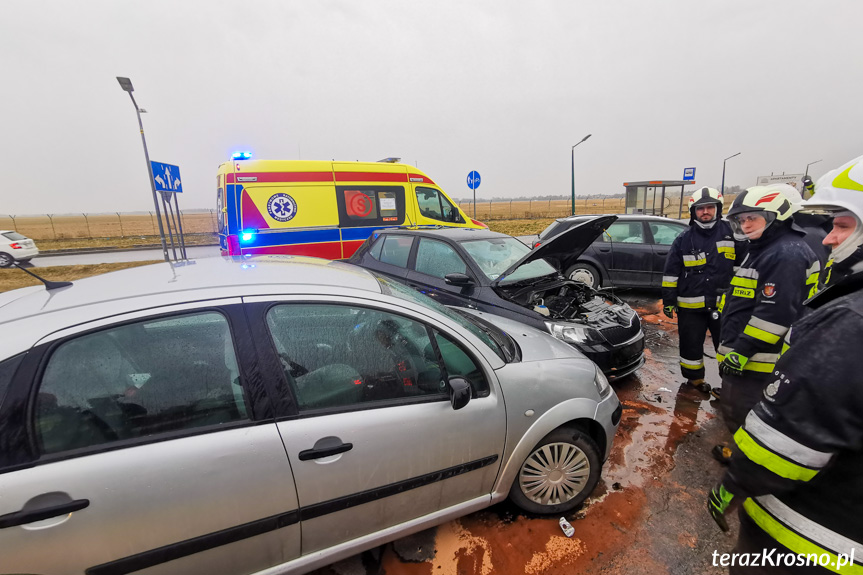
{"x": 559, "y": 474}
{"x": 586, "y": 274}
{"x": 6, "y": 260}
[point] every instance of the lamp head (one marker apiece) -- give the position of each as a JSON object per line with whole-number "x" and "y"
{"x": 126, "y": 84}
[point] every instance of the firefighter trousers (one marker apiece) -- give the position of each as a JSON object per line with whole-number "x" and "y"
{"x": 773, "y": 558}
{"x": 739, "y": 395}
{"x": 692, "y": 326}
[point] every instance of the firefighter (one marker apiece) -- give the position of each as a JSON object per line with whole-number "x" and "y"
{"x": 816, "y": 226}
{"x": 697, "y": 269}
{"x": 766, "y": 294}
{"x": 798, "y": 471}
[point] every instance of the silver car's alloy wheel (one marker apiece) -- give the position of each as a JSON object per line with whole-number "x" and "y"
{"x": 555, "y": 473}
{"x": 6, "y": 260}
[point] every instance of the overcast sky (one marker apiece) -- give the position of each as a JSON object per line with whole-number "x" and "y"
{"x": 501, "y": 87}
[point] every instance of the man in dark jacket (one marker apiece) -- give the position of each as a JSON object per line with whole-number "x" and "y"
{"x": 798, "y": 473}
{"x": 766, "y": 295}
{"x": 697, "y": 269}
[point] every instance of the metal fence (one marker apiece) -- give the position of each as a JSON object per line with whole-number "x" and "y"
{"x": 117, "y": 224}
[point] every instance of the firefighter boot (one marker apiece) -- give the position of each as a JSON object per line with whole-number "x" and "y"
{"x": 721, "y": 453}
{"x": 700, "y": 385}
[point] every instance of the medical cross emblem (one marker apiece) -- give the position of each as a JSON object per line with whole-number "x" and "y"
{"x": 281, "y": 207}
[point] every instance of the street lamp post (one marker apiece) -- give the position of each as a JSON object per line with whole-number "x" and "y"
{"x": 807, "y": 167}
{"x": 573, "y": 172}
{"x": 126, "y": 84}
{"x": 723, "y": 172}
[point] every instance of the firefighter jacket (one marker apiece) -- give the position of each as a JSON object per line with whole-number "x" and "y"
{"x": 699, "y": 266}
{"x": 801, "y": 448}
{"x": 766, "y": 294}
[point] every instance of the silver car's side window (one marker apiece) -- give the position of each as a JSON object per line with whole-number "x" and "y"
{"x": 140, "y": 379}
{"x": 340, "y": 355}
{"x": 459, "y": 363}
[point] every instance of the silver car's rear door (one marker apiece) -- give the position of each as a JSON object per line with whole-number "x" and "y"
{"x": 146, "y": 434}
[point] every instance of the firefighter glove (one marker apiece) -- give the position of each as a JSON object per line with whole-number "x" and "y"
{"x": 669, "y": 311}
{"x": 733, "y": 364}
{"x": 718, "y": 503}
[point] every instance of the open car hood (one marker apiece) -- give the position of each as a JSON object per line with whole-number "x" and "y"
{"x": 564, "y": 248}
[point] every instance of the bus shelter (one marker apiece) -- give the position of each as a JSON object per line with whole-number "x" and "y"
{"x": 649, "y": 197}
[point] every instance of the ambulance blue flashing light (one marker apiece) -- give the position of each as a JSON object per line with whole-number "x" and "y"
{"x": 247, "y": 235}
{"x": 242, "y": 155}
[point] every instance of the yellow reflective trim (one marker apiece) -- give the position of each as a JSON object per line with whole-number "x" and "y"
{"x": 758, "y": 366}
{"x": 692, "y": 366}
{"x": 693, "y": 263}
{"x": 769, "y": 460}
{"x": 743, "y": 292}
{"x": 720, "y": 357}
{"x": 744, "y": 282}
{"x": 760, "y": 334}
{"x": 785, "y": 347}
{"x": 688, "y": 305}
{"x": 721, "y": 304}
{"x": 844, "y": 181}
{"x": 669, "y": 284}
{"x": 730, "y": 255}
{"x": 813, "y": 278}
{"x": 784, "y": 536}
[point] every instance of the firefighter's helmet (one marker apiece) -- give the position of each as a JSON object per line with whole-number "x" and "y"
{"x": 702, "y": 197}
{"x": 770, "y": 204}
{"x": 840, "y": 193}
{"x": 790, "y": 193}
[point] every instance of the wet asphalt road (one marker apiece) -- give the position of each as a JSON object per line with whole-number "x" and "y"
{"x": 648, "y": 514}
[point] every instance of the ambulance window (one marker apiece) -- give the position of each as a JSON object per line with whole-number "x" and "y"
{"x": 388, "y": 206}
{"x": 361, "y": 204}
{"x": 434, "y": 205}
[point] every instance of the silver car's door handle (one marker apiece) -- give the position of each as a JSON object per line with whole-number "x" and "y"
{"x": 31, "y": 515}
{"x": 307, "y": 454}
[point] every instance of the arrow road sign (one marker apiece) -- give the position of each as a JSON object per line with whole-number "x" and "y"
{"x": 473, "y": 180}
{"x": 167, "y": 177}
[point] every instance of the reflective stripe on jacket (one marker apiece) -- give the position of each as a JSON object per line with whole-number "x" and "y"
{"x": 800, "y": 465}
{"x": 765, "y": 296}
{"x": 699, "y": 266}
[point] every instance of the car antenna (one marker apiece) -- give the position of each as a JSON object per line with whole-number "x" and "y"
{"x": 49, "y": 285}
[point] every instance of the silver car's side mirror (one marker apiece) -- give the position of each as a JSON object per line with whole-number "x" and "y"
{"x": 459, "y": 392}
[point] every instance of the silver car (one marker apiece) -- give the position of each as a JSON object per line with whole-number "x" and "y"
{"x": 273, "y": 416}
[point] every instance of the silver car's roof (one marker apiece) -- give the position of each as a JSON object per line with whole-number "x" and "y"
{"x": 127, "y": 290}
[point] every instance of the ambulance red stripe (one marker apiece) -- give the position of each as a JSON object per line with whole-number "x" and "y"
{"x": 270, "y": 177}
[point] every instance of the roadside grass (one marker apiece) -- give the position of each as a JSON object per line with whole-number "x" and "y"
{"x": 519, "y": 227}
{"x": 13, "y": 278}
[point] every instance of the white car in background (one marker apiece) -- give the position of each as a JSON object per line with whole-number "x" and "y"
{"x": 15, "y": 247}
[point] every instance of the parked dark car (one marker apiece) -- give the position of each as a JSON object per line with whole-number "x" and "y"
{"x": 631, "y": 252}
{"x": 498, "y": 274}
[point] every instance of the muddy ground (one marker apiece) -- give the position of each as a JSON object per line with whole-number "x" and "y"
{"x": 647, "y": 516}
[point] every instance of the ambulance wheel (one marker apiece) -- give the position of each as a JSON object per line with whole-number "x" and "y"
{"x": 6, "y": 260}
{"x": 586, "y": 274}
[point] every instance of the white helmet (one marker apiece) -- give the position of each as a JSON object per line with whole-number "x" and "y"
{"x": 791, "y": 194}
{"x": 769, "y": 203}
{"x": 705, "y": 196}
{"x": 840, "y": 193}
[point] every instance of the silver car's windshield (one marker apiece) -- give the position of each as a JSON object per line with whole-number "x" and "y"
{"x": 398, "y": 290}
{"x": 495, "y": 255}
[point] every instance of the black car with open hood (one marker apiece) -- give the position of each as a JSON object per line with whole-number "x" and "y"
{"x": 498, "y": 274}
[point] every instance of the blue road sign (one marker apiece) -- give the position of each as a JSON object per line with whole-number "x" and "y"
{"x": 167, "y": 177}
{"x": 473, "y": 180}
{"x": 688, "y": 174}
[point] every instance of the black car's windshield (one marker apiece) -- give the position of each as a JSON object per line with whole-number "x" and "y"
{"x": 398, "y": 290}
{"x": 495, "y": 255}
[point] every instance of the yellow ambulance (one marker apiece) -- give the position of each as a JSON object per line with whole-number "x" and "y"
{"x": 323, "y": 209}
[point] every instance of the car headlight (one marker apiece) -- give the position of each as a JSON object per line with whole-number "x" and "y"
{"x": 574, "y": 333}
{"x": 601, "y": 383}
